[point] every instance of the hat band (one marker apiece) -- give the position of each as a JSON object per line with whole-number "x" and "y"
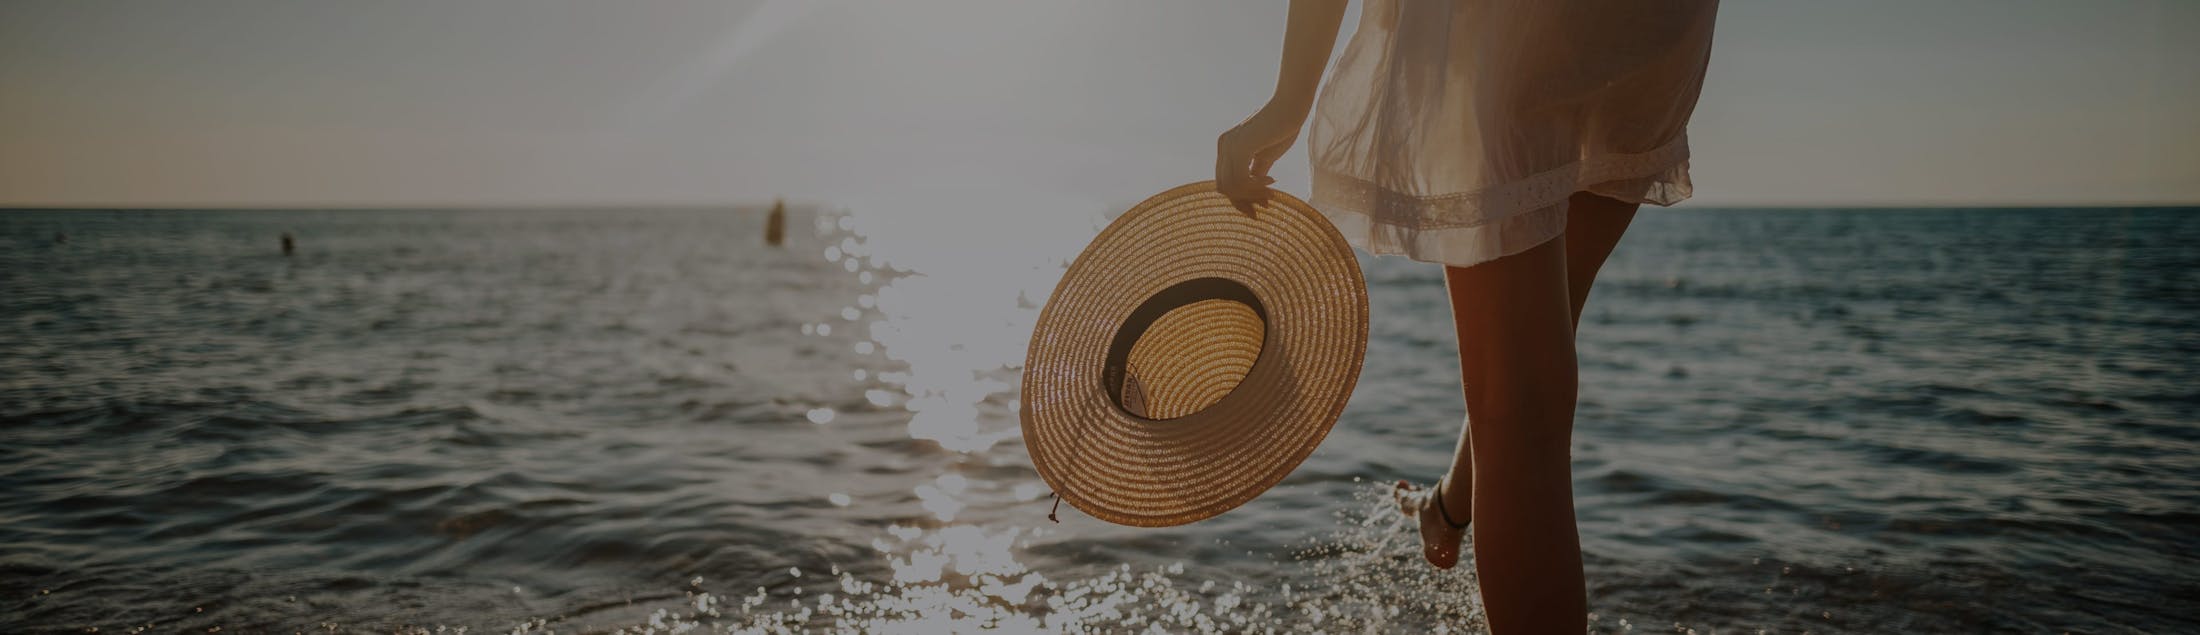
{"x": 1122, "y": 389}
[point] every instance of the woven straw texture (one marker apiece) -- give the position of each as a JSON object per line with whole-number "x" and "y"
{"x": 1192, "y": 357}
{"x": 1230, "y": 404}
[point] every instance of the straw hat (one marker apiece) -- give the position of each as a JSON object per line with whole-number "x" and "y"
{"x": 1192, "y": 356}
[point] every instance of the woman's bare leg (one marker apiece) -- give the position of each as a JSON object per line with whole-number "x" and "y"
{"x": 1516, "y": 355}
{"x": 1593, "y": 227}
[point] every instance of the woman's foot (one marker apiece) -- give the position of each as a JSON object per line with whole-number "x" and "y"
{"x": 1440, "y": 536}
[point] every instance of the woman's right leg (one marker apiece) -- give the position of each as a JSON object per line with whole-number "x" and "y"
{"x": 1593, "y": 227}
{"x": 1516, "y": 352}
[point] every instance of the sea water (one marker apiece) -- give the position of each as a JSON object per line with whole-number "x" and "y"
{"x": 1818, "y": 420}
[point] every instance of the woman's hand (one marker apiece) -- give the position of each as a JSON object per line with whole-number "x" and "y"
{"x": 1245, "y": 152}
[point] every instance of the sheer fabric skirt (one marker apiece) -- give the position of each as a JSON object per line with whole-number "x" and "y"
{"x": 1454, "y": 131}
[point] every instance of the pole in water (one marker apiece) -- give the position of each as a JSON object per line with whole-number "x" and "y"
{"x": 289, "y": 244}
{"x": 775, "y": 225}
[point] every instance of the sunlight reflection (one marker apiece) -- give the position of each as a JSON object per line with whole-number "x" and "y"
{"x": 957, "y": 312}
{"x": 942, "y": 505}
{"x": 952, "y": 317}
{"x": 943, "y": 335}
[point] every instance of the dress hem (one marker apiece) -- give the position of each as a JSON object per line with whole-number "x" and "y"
{"x": 1497, "y": 202}
{"x": 1462, "y": 229}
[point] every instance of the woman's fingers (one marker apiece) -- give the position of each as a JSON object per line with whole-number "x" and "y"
{"x": 1226, "y": 164}
{"x": 1239, "y": 175}
{"x": 1245, "y": 153}
{"x": 1261, "y": 163}
{"x": 1266, "y": 155}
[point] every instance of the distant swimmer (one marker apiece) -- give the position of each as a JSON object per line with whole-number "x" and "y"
{"x": 60, "y": 238}
{"x": 289, "y": 244}
{"x": 775, "y": 226}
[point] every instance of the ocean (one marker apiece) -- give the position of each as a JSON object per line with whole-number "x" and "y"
{"x": 580, "y": 420}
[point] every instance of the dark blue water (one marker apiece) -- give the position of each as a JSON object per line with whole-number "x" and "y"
{"x": 577, "y": 421}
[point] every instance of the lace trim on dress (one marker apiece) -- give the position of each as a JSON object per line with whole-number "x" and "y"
{"x": 1338, "y": 192}
{"x": 1454, "y": 246}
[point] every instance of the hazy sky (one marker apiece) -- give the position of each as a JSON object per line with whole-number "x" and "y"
{"x": 520, "y": 102}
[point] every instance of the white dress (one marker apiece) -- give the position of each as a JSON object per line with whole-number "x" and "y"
{"x": 1453, "y": 131}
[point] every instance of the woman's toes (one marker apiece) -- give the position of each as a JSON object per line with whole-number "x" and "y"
{"x": 1403, "y": 493}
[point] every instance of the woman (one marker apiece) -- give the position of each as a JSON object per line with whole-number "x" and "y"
{"x": 1511, "y": 141}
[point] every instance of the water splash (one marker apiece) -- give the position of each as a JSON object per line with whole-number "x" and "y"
{"x": 1364, "y": 574}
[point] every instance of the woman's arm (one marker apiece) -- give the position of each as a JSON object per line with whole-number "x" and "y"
{"x": 1308, "y": 36}
{"x": 1244, "y": 153}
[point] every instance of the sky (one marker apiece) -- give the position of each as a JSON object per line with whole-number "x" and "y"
{"x": 921, "y": 105}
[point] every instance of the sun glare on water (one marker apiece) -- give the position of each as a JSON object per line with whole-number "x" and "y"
{"x": 948, "y": 323}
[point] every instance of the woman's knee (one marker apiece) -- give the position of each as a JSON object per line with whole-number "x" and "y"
{"x": 1525, "y": 407}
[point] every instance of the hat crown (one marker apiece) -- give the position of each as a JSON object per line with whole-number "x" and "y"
{"x": 1185, "y": 348}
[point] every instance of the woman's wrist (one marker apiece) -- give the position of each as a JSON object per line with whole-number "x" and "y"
{"x": 1295, "y": 107}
